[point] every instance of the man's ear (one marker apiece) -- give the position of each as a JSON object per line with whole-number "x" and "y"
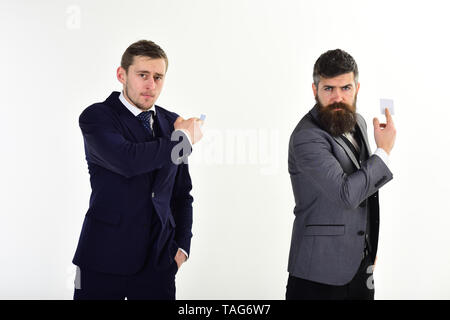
{"x": 314, "y": 89}
{"x": 357, "y": 87}
{"x": 121, "y": 75}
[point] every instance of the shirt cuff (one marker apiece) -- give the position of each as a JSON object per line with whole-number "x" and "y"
{"x": 186, "y": 134}
{"x": 383, "y": 155}
{"x": 187, "y": 256}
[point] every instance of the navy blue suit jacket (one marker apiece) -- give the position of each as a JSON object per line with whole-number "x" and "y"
{"x": 140, "y": 206}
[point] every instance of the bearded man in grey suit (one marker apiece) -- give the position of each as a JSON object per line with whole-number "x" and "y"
{"x": 335, "y": 180}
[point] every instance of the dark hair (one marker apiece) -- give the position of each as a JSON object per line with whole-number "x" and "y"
{"x": 334, "y": 63}
{"x": 143, "y": 48}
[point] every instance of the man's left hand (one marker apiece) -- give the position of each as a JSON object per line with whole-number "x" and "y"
{"x": 180, "y": 258}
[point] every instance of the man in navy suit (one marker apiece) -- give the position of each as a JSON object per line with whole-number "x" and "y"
{"x": 137, "y": 230}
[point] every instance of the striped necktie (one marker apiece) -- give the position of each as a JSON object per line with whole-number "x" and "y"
{"x": 144, "y": 117}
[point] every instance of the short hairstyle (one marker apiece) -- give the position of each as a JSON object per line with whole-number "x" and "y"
{"x": 334, "y": 63}
{"x": 143, "y": 48}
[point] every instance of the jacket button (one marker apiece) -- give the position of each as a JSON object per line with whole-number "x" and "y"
{"x": 361, "y": 233}
{"x": 153, "y": 194}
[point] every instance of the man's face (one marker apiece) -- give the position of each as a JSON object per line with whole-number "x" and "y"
{"x": 143, "y": 82}
{"x": 336, "y": 98}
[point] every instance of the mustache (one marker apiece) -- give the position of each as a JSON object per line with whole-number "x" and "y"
{"x": 340, "y": 105}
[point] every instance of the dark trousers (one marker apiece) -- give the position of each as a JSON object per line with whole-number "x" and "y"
{"x": 150, "y": 283}
{"x": 361, "y": 287}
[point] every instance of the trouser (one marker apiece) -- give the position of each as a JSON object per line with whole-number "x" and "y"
{"x": 151, "y": 283}
{"x": 361, "y": 287}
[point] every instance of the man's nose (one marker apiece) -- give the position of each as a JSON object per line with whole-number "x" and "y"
{"x": 337, "y": 96}
{"x": 151, "y": 84}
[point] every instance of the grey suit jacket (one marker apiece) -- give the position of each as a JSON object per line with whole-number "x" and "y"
{"x": 334, "y": 192}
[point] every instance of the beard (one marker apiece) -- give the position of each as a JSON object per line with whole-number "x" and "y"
{"x": 337, "y": 122}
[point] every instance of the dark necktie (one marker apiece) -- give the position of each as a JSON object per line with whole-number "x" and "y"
{"x": 144, "y": 117}
{"x": 353, "y": 148}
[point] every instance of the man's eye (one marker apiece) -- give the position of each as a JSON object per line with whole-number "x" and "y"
{"x": 143, "y": 75}
{"x": 158, "y": 78}
{"x": 346, "y": 88}
{"x": 328, "y": 89}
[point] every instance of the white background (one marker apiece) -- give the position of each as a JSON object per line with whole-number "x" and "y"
{"x": 248, "y": 66}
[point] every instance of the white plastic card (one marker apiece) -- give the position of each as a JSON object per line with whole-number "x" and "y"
{"x": 387, "y": 103}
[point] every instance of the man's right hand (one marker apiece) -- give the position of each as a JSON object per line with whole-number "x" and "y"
{"x": 192, "y": 126}
{"x": 385, "y": 132}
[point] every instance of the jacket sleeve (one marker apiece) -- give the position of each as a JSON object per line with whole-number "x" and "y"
{"x": 314, "y": 157}
{"x": 106, "y": 146}
{"x": 181, "y": 206}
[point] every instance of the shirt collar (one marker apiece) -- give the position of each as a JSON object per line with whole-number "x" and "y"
{"x": 133, "y": 109}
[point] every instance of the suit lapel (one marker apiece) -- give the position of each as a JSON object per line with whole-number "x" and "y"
{"x": 363, "y": 130}
{"x": 135, "y": 129}
{"x": 348, "y": 151}
{"x": 163, "y": 122}
{"x": 164, "y": 174}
